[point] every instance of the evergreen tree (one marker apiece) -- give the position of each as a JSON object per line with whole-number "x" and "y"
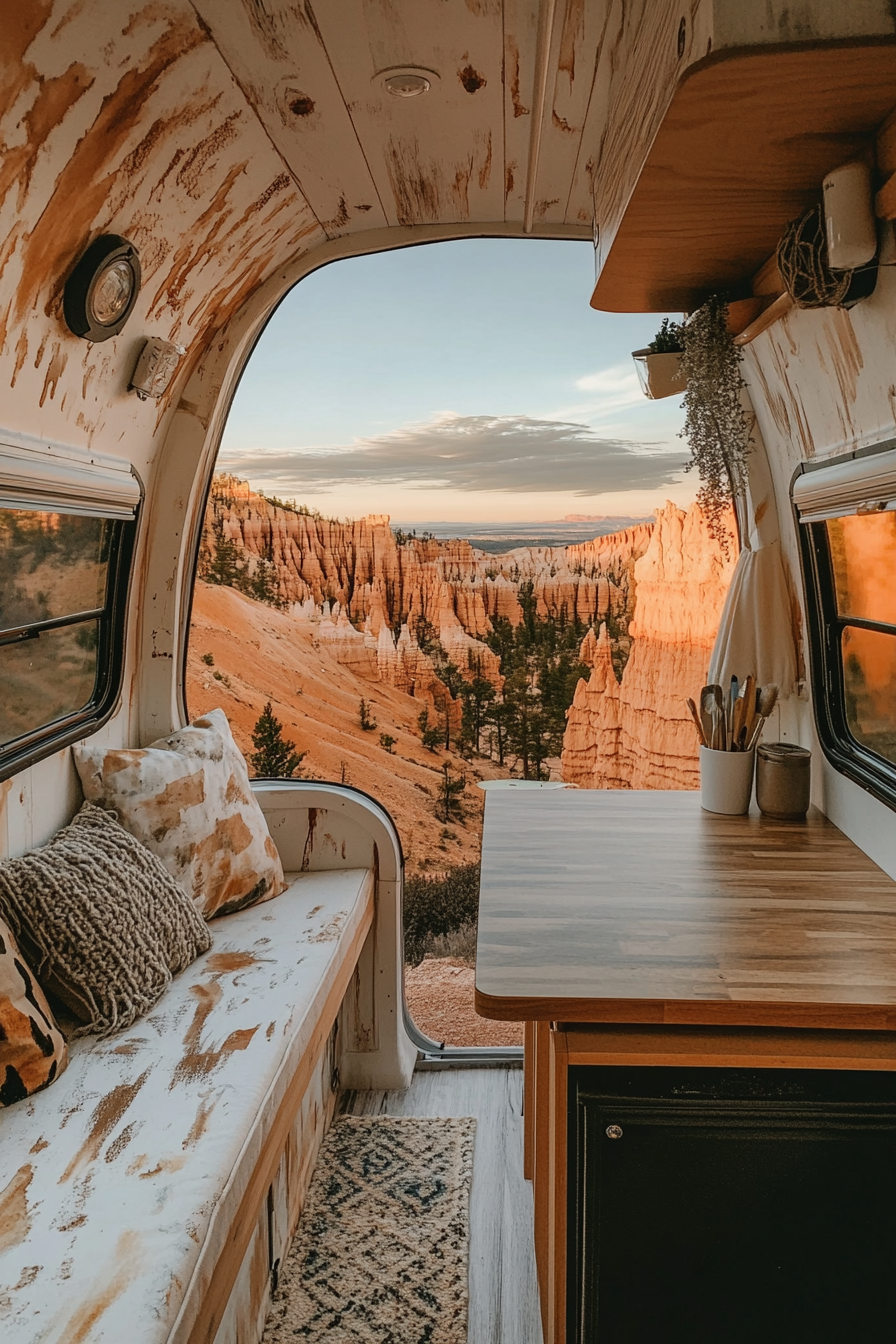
{"x": 275, "y": 757}
{"x": 223, "y": 564}
{"x": 477, "y": 696}
{"x": 449, "y": 806}
{"x": 431, "y": 736}
{"x": 262, "y": 586}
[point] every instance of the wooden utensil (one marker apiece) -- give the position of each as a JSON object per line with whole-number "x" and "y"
{"x": 720, "y": 735}
{"x": 768, "y": 698}
{"x": 737, "y": 725}
{"x": 706, "y": 718}
{"x": 697, "y": 723}
{"x": 749, "y": 699}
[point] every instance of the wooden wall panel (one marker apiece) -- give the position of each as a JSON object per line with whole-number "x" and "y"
{"x": 124, "y": 118}
{"x": 243, "y": 1321}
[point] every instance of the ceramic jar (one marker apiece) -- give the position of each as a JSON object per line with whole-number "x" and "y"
{"x": 783, "y": 779}
{"x": 726, "y": 781}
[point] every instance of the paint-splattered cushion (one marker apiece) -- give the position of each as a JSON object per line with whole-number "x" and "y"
{"x": 187, "y": 798}
{"x": 32, "y": 1048}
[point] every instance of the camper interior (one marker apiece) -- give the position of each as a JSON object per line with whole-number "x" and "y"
{"x": 699, "y": 1140}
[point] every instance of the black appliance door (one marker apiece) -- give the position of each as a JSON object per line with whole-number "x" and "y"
{"x": 721, "y": 1206}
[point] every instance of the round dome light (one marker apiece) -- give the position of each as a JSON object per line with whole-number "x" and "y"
{"x": 102, "y": 289}
{"x": 407, "y": 83}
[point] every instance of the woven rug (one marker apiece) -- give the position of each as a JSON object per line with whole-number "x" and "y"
{"x": 382, "y": 1248}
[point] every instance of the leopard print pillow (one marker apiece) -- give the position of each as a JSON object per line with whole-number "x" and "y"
{"x": 32, "y": 1048}
{"x": 187, "y": 798}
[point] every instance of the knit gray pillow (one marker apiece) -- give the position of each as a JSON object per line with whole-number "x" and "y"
{"x": 101, "y": 921}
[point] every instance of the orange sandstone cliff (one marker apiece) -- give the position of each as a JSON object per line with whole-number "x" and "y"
{"x": 372, "y": 594}
{"x": 636, "y": 733}
{"x": 381, "y": 609}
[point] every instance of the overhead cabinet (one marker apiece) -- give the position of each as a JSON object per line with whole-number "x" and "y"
{"x": 721, "y": 127}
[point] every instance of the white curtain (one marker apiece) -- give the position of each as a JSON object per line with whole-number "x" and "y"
{"x": 756, "y": 628}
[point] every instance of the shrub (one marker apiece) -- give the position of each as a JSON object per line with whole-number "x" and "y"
{"x": 458, "y": 945}
{"x": 437, "y": 906}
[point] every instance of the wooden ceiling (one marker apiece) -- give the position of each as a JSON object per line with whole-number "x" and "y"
{"x": 498, "y": 138}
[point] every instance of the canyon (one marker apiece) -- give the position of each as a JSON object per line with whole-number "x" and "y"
{"x": 316, "y": 614}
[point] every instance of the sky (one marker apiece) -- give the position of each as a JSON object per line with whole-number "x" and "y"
{"x": 466, "y": 382}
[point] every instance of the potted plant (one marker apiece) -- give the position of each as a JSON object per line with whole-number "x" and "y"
{"x": 659, "y": 365}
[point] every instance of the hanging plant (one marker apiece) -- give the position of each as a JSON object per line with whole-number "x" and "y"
{"x": 716, "y": 426}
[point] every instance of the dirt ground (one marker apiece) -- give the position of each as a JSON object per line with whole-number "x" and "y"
{"x": 259, "y": 654}
{"x": 440, "y": 997}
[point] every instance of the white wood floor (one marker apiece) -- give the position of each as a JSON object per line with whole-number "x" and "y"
{"x": 503, "y": 1289}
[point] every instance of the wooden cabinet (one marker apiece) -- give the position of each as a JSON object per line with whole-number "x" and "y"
{"x": 748, "y": 1195}
{"x": 634, "y": 932}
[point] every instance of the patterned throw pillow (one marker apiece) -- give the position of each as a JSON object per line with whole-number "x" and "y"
{"x": 101, "y": 920}
{"x": 32, "y": 1049}
{"x": 187, "y": 798}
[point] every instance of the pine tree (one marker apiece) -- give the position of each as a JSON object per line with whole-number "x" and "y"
{"x": 223, "y": 562}
{"x": 430, "y": 734}
{"x": 275, "y": 756}
{"x": 449, "y": 806}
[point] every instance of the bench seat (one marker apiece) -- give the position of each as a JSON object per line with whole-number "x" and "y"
{"x": 121, "y": 1185}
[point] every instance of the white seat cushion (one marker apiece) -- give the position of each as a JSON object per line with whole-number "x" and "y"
{"x": 118, "y": 1185}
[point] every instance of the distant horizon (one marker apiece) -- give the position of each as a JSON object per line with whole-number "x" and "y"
{"x": 570, "y": 520}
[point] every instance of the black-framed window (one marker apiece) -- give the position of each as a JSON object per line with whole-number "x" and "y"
{"x": 62, "y": 623}
{"x": 850, "y": 569}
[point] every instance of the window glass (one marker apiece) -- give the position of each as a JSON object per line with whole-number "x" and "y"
{"x": 47, "y": 677}
{"x": 53, "y": 565}
{"x": 869, "y": 683}
{"x": 863, "y": 556}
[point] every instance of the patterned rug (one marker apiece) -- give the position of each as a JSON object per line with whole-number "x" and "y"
{"x": 382, "y": 1248}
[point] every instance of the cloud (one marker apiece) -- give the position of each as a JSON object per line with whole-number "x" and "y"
{"x": 618, "y": 386}
{"x": 505, "y": 454}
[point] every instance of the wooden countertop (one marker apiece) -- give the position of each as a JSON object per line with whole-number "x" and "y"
{"x": 605, "y": 906}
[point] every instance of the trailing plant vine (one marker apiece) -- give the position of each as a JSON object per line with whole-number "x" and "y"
{"x": 716, "y": 426}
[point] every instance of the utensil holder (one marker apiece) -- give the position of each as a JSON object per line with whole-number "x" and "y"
{"x": 726, "y": 781}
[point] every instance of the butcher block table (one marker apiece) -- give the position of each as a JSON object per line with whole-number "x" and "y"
{"x": 633, "y": 929}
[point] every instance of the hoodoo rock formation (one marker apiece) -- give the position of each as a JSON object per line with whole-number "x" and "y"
{"x": 394, "y": 609}
{"x": 381, "y": 599}
{"x": 636, "y": 733}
